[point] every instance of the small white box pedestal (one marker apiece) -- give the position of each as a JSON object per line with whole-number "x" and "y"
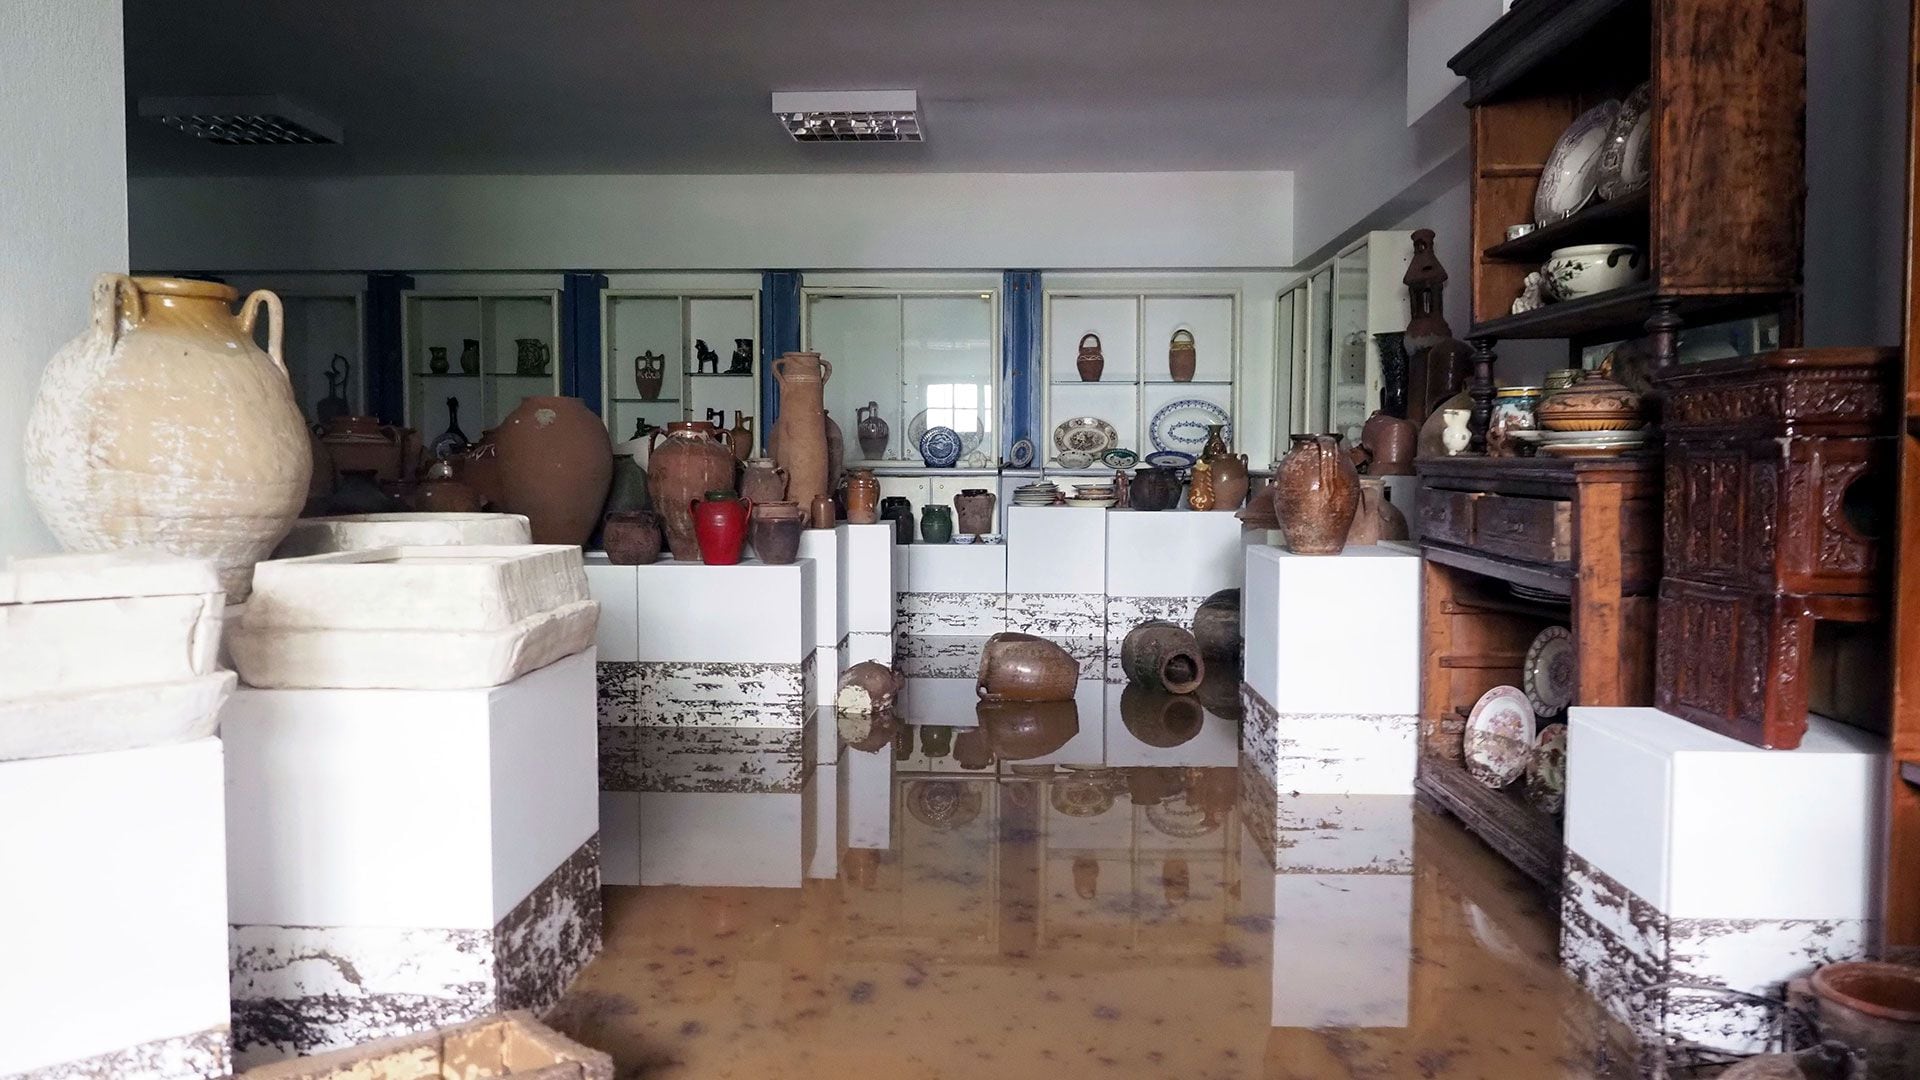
{"x": 1331, "y": 686}
{"x": 871, "y": 571}
{"x": 1057, "y": 577}
{"x": 113, "y": 960}
{"x": 952, "y": 590}
{"x": 400, "y": 859}
{"x": 1695, "y": 858}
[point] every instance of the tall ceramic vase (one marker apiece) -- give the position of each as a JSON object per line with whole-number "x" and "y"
{"x": 801, "y": 430}
{"x": 556, "y": 464}
{"x": 164, "y": 425}
{"x": 691, "y": 461}
{"x": 1318, "y": 493}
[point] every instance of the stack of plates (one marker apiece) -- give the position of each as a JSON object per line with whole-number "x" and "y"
{"x": 1042, "y": 493}
{"x": 1097, "y": 495}
{"x": 1591, "y": 443}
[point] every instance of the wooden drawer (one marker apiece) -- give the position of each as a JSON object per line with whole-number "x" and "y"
{"x": 1447, "y": 516}
{"x": 1524, "y": 528}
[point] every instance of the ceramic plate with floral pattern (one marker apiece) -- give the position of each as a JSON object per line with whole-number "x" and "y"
{"x": 1086, "y": 435}
{"x": 1549, "y": 671}
{"x": 1182, "y": 425}
{"x": 1626, "y": 160}
{"x": 1022, "y": 454}
{"x": 1499, "y": 738}
{"x": 1573, "y": 169}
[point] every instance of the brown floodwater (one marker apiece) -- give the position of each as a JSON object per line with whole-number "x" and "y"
{"x": 1045, "y": 920}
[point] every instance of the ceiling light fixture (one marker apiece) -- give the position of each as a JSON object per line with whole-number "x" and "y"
{"x": 264, "y": 120}
{"x": 850, "y": 115}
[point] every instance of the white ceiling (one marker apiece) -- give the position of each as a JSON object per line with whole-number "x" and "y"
{"x": 682, "y": 86}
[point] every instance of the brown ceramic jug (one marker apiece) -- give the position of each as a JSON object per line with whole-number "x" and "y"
{"x": 556, "y": 464}
{"x": 740, "y": 436}
{"x": 1022, "y": 667}
{"x": 1319, "y": 492}
{"x": 763, "y": 482}
{"x": 689, "y": 462}
{"x": 801, "y": 431}
{"x": 863, "y": 497}
{"x": 973, "y": 511}
{"x": 1229, "y": 481}
{"x": 1388, "y": 442}
{"x": 873, "y": 432}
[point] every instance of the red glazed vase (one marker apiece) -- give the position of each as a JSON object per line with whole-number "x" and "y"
{"x": 720, "y": 524}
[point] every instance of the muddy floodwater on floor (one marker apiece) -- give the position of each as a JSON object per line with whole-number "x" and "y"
{"x": 1001, "y": 899}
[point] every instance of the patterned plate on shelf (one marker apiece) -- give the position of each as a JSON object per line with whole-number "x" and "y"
{"x": 1499, "y": 737}
{"x": 1021, "y": 456}
{"x": 1087, "y": 435}
{"x": 1549, "y": 671}
{"x": 1573, "y": 169}
{"x": 1170, "y": 459}
{"x": 1182, "y": 425}
{"x": 1547, "y": 770}
{"x": 1625, "y": 164}
{"x": 917, "y": 427}
{"x": 940, "y": 447}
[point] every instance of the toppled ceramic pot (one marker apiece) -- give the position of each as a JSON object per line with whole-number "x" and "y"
{"x": 1216, "y": 625}
{"x": 1022, "y": 667}
{"x": 866, "y": 687}
{"x": 1593, "y": 403}
{"x": 632, "y": 537}
{"x": 1160, "y": 655}
{"x": 1022, "y": 730}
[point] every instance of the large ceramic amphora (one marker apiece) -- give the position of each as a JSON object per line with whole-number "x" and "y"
{"x": 1318, "y": 491}
{"x": 164, "y": 425}
{"x": 801, "y": 430}
{"x": 689, "y": 462}
{"x": 556, "y": 464}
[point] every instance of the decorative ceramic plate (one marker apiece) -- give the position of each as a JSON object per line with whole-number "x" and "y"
{"x": 1073, "y": 460}
{"x": 1499, "y": 738}
{"x": 1021, "y": 455}
{"x": 1088, "y": 435}
{"x": 940, "y": 447}
{"x": 1528, "y": 592}
{"x": 1170, "y": 459}
{"x": 1549, "y": 671}
{"x": 916, "y": 427}
{"x": 1547, "y": 770}
{"x": 1182, "y": 425}
{"x": 1573, "y": 169}
{"x": 1625, "y": 163}
{"x": 1119, "y": 459}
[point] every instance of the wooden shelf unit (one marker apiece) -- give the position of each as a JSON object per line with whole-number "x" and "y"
{"x": 1585, "y": 530}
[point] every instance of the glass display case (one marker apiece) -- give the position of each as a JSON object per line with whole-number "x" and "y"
{"x": 679, "y": 355}
{"x": 479, "y": 352}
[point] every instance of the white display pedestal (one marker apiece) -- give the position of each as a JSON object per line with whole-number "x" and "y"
{"x": 1691, "y": 857}
{"x": 1162, "y": 565}
{"x": 400, "y": 859}
{"x": 821, "y": 549}
{"x": 113, "y": 961}
{"x": 872, "y": 569}
{"x": 1331, "y": 684}
{"x": 1057, "y": 578}
{"x": 953, "y": 590}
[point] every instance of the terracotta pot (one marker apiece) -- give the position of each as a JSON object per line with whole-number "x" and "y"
{"x": 1872, "y": 1007}
{"x": 824, "y": 513}
{"x": 775, "y": 531}
{"x": 633, "y": 537}
{"x": 1021, "y": 730}
{"x": 1318, "y": 494}
{"x": 863, "y": 497}
{"x": 1388, "y": 442}
{"x": 974, "y": 510}
{"x": 439, "y": 493}
{"x": 898, "y": 510}
{"x": 1022, "y": 667}
{"x": 936, "y": 525}
{"x": 867, "y": 687}
{"x": 763, "y": 482}
{"x": 1160, "y": 655}
{"x": 1229, "y": 481}
{"x": 1090, "y": 361}
{"x": 800, "y": 431}
{"x": 556, "y": 464}
{"x": 681, "y": 467}
{"x": 1200, "y": 486}
{"x": 720, "y": 525}
{"x": 164, "y": 425}
{"x": 740, "y": 436}
{"x": 1376, "y": 519}
{"x": 1181, "y": 356}
{"x": 1154, "y": 489}
{"x": 1160, "y": 719}
{"x": 873, "y": 432}
{"x": 1216, "y": 625}
{"x": 362, "y": 443}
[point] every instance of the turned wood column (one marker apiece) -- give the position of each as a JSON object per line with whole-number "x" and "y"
{"x": 1480, "y": 390}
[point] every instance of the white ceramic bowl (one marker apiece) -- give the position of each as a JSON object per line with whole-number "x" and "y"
{"x": 1587, "y": 269}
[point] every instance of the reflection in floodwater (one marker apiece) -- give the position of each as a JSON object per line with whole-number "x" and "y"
{"x": 1093, "y": 888}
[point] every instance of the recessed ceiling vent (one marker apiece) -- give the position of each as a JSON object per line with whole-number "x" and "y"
{"x": 266, "y": 120}
{"x": 850, "y": 115}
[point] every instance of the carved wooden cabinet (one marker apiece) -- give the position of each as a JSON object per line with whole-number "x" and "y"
{"x": 1779, "y": 483}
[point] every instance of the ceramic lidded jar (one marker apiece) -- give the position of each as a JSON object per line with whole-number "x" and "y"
{"x": 164, "y": 425}
{"x": 688, "y": 462}
{"x": 863, "y": 497}
{"x": 1318, "y": 493}
{"x": 556, "y": 464}
{"x": 720, "y": 525}
{"x": 974, "y": 509}
{"x": 800, "y": 433}
{"x": 763, "y": 482}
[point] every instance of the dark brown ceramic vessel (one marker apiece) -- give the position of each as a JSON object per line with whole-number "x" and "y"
{"x": 1216, "y": 625}
{"x": 632, "y": 537}
{"x": 1319, "y": 491}
{"x": 1160, "y": 655}
{"x": 1022, "y": 667}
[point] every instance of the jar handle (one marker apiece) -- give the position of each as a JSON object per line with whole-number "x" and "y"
{"x": 1083, "y": 341}
{"x": 276, "y": 324}
{"x": 826, "y": 371}
{"x": 1328, "y": 448}
{"x": 780, "y": 371}
{"x": 109, "y": 292}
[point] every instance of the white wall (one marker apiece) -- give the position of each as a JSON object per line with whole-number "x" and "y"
{"x": 1436, "y": 29}
{"x": 891, "y": 221}
{"x": 63, "y": 206}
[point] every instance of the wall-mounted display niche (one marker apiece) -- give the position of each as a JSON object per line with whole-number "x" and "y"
{"x": 486, "y": 350}
{"x": 924, "y": 358}
{"x": 680, "y": 355}
{"x": 1122, "y": 359}
{"x": 323, "y": 346}
{"x": 1327, "y": 324}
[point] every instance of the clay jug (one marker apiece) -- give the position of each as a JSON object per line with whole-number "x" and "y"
{"x": 164, "y": 425}
{"x": 1160, "y": 655}
{"x": 720, "y": 525}
{"x": 632, "y": 537}
{"x": 872, "y": 431}
{"x": 775, "y": 532}
{"x": 1318, "y": 494}
{"x": 801, "y": 430}
{"x": 1091, "y": 362}
{"x": 688, "y": 462}
{"x": 649, "y": 374}
{"x": 823, "y": 511}
{"x": 1376, "y": 519}
{"x": 1200, "y": 486}
{"x": 763, "y": 482}
{"x": 556, "y": 464}
{"x": 973, "y": 509}
{"x": 1229, "y": 481}
{"x": 1022, "y": 667}
{"x": 1181, "y": 356}
{"x": 740, "y": 436}
{"x": 1388, "y": 441}
{"x": 863, "y": 498}
{"x": 1216, "y": 444}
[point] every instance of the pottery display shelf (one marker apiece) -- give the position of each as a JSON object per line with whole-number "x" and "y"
{"x": 1665, "y": 886}
{"x": 438, "y": 848}
{"x": 103, "y": 978}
